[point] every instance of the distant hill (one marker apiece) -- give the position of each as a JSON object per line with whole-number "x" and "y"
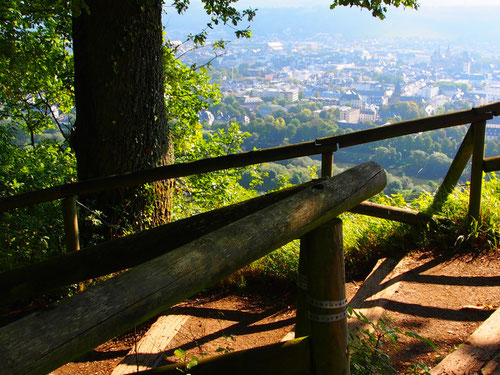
{"x": 455, "y": 25}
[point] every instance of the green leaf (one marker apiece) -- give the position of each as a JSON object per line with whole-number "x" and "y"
{"x": 179, "y": 353}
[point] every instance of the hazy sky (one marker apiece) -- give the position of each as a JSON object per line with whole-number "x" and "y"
{"x": 308, "y": 3}
{"x": 312, "y": 16}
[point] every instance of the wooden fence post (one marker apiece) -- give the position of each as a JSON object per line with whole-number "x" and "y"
{"x": 327, "y": 300}
{"x": 456, "y": 168}
{"x": 327, "y": 164}
{"x": 476, "y": 175}
{"x": 71, "y": 235}
{"x": 302, "y": 326}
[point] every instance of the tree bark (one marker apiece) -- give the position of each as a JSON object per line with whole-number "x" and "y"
{"x": 121, "y": 122}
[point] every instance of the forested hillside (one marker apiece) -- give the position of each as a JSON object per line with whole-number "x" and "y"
{"x": 415, "y": 163}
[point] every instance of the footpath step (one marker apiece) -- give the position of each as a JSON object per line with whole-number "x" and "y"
{"x": 479, "y": 355}
{"x": 149, "y": 350}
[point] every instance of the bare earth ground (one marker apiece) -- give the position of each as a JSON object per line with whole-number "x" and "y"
{"x": 442, "y": 299}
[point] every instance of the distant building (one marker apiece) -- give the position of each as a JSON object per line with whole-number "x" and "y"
{"x": 325, "y": 101}
{"x": 367, "y": 114}
{"x": 476, "y": 98}
{"x": 275, "y": 46}
{"x": 493, "y": 128}
{"x": 352, "y": 98}
{"x": 222, "y": 118}
{"x": 250, "y": 102}
{"x": 348, "y": 114}
{"x": 492, "y": 131}
{"x": 378, "y": 97}
{"x": 291, "y": 94}
{"x": 428, "y": 92}
{"x": 243, "y": 119}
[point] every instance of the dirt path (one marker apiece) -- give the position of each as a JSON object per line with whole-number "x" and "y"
{"x": 442, "y": 299}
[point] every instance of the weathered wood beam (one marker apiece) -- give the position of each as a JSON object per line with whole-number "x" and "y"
{"x": 455, "y": 171}
{"x": 491, "y": 164}
{"x": 119, "y": 254}
{"x": 391, "y": 213}
{"x": 42, "y": 342}
{"x": 284, "y": 358}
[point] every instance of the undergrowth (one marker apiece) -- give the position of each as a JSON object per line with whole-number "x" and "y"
{"x": 367, "y": 239}
{"x": 370, "y": 341}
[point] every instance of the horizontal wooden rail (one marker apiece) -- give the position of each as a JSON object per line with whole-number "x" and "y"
{"x": 41, "y": 342}
{"x": 119, "y": 254}
{"x": 122, "y": 253}
{"x": 283, "y": 358}
{"x": 399, "y": 129}
{"x": 319, "y": 146}
{"x": 491, "y": 164}
{"x": 163, "y": 173}
{"x": 392, "y": 213}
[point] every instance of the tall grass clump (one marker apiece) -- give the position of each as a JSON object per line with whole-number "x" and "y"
{"x": 367, "y": 239}
{"x": 456, "y": 233}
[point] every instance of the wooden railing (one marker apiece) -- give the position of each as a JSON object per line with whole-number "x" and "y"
{"x": 118, "y": 315}
{"x": 42, "y": 342}
{"x": 324, "y": 146}
{"x": 472, "y": 145}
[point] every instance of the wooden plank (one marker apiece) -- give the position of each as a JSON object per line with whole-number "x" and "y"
{"x": 477, "y": 353}
{"x": 162, "y": 173}
{"x": 288, "y": 358}
{"x": 123, "y": 253}
{"x": 491, "y": 164}
{"x": 150, "y": 349}
{"x": 326, "y": 297}
{"x": 476, "y": 174}
{"x": 488, "y": 333}
{"x": 319, "y": 146}
{"x": 44, "y": 341}
{"x": 392, "y": 213}
{"x": 455, "y": 172}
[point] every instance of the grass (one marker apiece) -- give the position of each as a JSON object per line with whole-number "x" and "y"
{"x": 366, "y": 239}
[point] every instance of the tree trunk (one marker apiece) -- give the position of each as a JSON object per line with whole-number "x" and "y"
{"x": 121, "y": 123}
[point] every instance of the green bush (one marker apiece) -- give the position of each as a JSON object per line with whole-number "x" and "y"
{"x": 31, "y": 234}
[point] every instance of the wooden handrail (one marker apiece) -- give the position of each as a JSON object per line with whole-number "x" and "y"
{"x": 319, "y": 146}
{"x": 413, "y": 126}
{"x": 491, "y": 164}
{"x": 78, "y": 324}
{"x": 126, "y": 252}
{"x": 162, "y": 173}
